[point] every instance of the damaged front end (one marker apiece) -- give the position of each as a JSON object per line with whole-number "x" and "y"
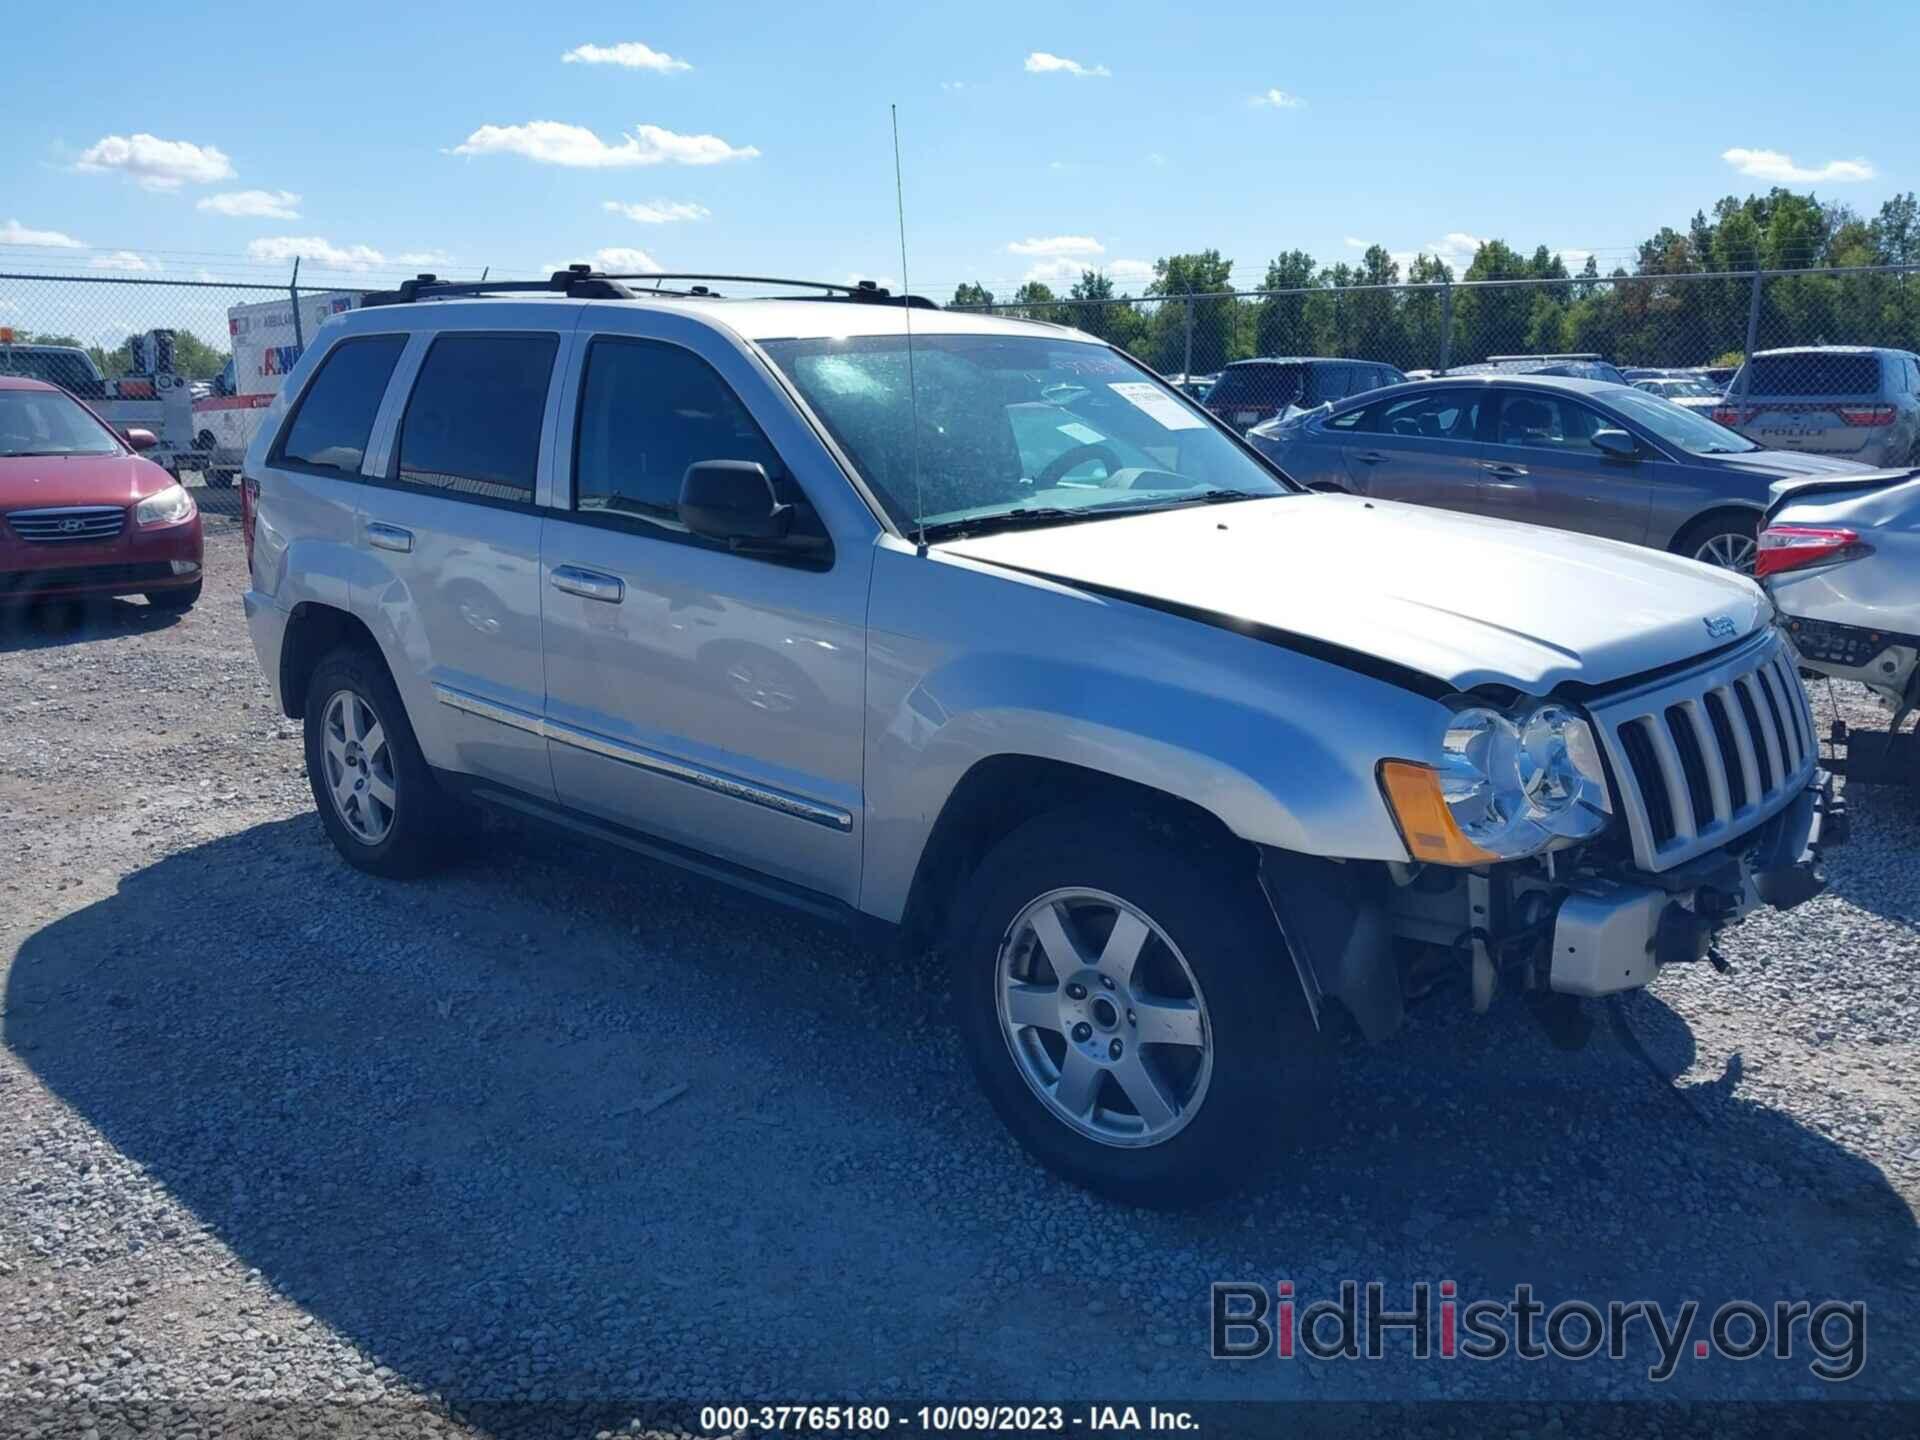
{"x": 1371, "y": 937}
{"x": 1715, "y": 804}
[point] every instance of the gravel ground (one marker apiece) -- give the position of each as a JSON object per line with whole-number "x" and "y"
{"x": 559, "y": 1125}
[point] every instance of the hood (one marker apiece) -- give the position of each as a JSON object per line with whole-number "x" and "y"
{"x": 33, "y": 482}
{"x": 1465, "y": 600}
{"x": 1786, "y": 462}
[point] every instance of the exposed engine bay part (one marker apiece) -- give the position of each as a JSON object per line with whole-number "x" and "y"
{"x": 1580, "y": 926}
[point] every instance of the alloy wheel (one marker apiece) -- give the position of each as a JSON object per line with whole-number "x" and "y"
{"x": 1104, "y": 1018}
{"x": 1731, "y": 551}
{"x": 359, "y": 767}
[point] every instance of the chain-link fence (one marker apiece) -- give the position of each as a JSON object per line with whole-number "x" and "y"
{"x": 197, "y": 361}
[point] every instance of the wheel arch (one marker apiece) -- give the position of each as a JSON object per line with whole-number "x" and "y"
{"x": 999, "y": 793}
{"x": 1683, "y": 535}
{"x": 313, "y": 629}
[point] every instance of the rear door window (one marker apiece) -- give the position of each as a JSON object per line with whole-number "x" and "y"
{"x": 335, "y": 416}
{"x": 473, "y": 421}
{"x": 1428, "y": 415}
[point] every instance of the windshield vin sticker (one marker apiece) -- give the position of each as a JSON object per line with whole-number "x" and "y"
{"x": 1085, "y": 434}
{"x": 1171, "y": 414}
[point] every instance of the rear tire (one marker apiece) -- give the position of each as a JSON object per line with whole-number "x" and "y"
{"x": 377, "y": 798}
{"x": 1232, "y": 1053}
{"x": 178, "y": 601}
{"x": 1729, "y": 539}
{"x": 218, "y": 479}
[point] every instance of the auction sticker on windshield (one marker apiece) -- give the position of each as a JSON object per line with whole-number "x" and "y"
{"x": 1171, "y": 414}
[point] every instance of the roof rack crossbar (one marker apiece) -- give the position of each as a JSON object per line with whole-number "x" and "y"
{"x": 581, "y": 282}
{"x": 863, "y": 291}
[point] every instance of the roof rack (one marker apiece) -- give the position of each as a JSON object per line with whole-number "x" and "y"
{"x": 583, "y": 282}
{"x": 1570, "y": 355}
{"x": 861, "y": 292}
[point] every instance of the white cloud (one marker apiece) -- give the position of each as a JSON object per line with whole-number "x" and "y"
{"x": 1057, "y": 272}
{"x": 1778, "y": 167}
{"x": 1277, "y": 100}
{"x": 317, "y": 251}
{"x": 253, "y": 204}
{"x": 156, "y": 164}
{"x": 574, "y": 146}
{"x": 14, "y": 233}
{"x": 1130, "y": 272}
{"x": 622, "y": 259}
{"x": 1354, "y": 242}
{"x": 658, "y": 212}
{"x": 1057, "y": 245}
{"x": 123, "y": 260}
{"x": 953, "y": 87}
{"x": 628, "y": 55}
{"x": 1041, "y": 63}
{"x": 1156, "y": 158}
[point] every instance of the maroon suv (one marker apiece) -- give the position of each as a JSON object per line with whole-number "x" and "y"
{"x": 85, "y": 515}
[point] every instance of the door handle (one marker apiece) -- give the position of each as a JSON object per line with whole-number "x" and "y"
{"x": 588, "y": 584}
{"x": 1504, "y": 470}
{"x": 389, "y": 537}
{"x": 1371, "y": 457}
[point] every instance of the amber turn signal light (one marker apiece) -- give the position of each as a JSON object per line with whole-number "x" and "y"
{"x": 1426, "y": 824}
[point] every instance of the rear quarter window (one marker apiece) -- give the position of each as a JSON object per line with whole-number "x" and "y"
{"x": 334, "y": 419}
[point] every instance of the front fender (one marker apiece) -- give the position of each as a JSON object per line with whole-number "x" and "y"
{"x": 1280, "y": 747}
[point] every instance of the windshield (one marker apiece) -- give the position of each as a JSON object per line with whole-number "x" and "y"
{"x": 45, "y": 422}
{"x": 1685, "y": 429}
{"x": 1013, "y": 427}
{"x": 1675, "y": 389}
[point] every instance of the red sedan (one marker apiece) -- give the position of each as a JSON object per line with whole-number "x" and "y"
{"x": 85, "y": 515}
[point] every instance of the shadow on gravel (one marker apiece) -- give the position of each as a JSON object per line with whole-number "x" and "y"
{"x": 42, "y": 624}
{"x": 456, "y": 1144}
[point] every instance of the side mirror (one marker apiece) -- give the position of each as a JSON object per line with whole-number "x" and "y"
{"x": 142, "y": 439}
{"x": 1615, "y": 444}
{"x": 732, "y": 500}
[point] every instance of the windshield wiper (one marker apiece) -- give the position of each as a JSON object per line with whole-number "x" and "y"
{"x": 1019, "y": 519}
{"x": 1028, "y": 517}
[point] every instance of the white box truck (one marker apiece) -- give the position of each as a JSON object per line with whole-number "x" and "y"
{"x": 267, "y": 338}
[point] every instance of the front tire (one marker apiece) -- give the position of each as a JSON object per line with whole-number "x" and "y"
{"x": 377, "y": 798}
{"x": 1129, "y": 1007}
{"x": 1730, "y": 541}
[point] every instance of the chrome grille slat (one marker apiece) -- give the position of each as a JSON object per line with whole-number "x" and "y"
{"x": 1702, "y": 757}
{"x": 68, "y": 524}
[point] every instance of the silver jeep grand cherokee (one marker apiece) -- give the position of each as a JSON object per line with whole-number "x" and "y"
{"x": 972, "y": 631}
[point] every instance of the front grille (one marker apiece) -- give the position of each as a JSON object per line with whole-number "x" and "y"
{"x": 79, "y": 523}
{"x": 1705, "y": 757}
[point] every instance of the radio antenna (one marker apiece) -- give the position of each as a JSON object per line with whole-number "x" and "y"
{"x": 906, "y": 314}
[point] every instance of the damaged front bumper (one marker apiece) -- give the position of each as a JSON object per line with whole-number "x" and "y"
{"x": 1614, "y": 933}
{"x": 1585, "y": 931}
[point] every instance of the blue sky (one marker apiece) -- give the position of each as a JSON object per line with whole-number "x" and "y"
{"x": 200, "y": 139}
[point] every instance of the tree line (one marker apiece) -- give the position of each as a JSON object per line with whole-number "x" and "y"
{"x": 1651, "y": 314}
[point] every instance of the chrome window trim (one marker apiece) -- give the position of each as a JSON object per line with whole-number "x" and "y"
{"x": 717, "y": 781}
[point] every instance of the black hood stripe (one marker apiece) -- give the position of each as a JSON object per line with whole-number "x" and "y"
{"x": 1403, "y": 677}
